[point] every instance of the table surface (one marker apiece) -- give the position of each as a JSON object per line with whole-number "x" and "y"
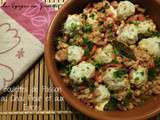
{"x": 34, "y": 99}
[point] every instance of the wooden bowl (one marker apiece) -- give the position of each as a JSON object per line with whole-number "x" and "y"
{"x": 150, "y": 107}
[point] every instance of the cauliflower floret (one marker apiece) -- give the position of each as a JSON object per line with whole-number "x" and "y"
{"x": 128, "y": 34}
{"x": 104, "y": 55}
{"x": 73, "y": 23}
{"x": 115, "y": 78}
{"x": 75, "y": 53}
{"x": 102, "y": 98}
{"x": 139, "y": 76}
{"x": 146, "y": 27}
{"x": 83, "y": 69}
{"x": 125, "y": 9}
{"x": 152, "y": 45}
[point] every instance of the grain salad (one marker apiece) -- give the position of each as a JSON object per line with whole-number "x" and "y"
{"x": 109, "y": 55}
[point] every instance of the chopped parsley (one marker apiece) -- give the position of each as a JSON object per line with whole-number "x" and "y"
{"x": 137, "y": 79}
{"x": 74, "y": 26}
{"x": 101, "y": 22}
{"x": 102, "y": 29}
{"x": 152, "y": 73}
{"x": 97, "y": 65}
{"x": 134, "y": 22}
{"x": 127, "y": 98}
{"x": 110, "y": 25}
{"x": 87, "y": 28}
{"x": 92, "y": 16}
{"x": 89, "y": 46}
{"x": 142, "y": 73}
{"x": 68, "y": 69}
{"x": 102, "y": 10}
{"x": 89, "y": 83}
{"x": 120, "y": 73}
{"x": 112, "y": 104}
{"x": 157, "y": 62}
{"x": 116, "y": 52}
{"x": 156, "y": 34}
{"x": 115, "y": 61}
{"x": 124, "y": 50}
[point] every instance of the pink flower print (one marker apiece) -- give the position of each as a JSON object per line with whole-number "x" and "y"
{"x": 20, "y": 53}
{"x": 32, "y": 11}
{"x": 9, "y": 38}
{"x": 39, "y": 21}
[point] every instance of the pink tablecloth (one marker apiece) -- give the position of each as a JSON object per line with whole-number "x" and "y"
{"x": 23, "y": 27}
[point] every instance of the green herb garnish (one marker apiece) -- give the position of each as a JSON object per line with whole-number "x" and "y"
{"x": 124, "y": 50}
{"x": 102, "y": 29}
{"x": 92, "y": 16}
{"x": 156, "y": 34}
{"x": 127, "y": 98}
{"x": 120, "y": 73}
{"x": 116, "y": 52}
{"x": 110, "y": 25}
{"x": 134, "y": 22}
{"x": 89, "y": 83}
{"x": 152, "y": 73}
{"x": 157, "y": 62}
{"x": 112, "y": 104}
{"x": 97, "y": 65}
{"x": 137, "y": 79}
{"x": 101, "y": 22}
{"x": 89, "y": 46}
{"x": 74, "y": 26}
{"x": 87, "y": 28}
{"x": 102, "y": 10}
{"x": 67, "y": 69}
{"x": 115, "y": 61}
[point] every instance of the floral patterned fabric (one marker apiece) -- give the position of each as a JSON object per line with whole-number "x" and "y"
{"x": 23, "y": 27}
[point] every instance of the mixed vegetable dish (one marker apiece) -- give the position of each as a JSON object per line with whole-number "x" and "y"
{"x": 109, "y": 55}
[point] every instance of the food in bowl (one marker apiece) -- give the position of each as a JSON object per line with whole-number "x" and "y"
{"x": 109, "y": 55}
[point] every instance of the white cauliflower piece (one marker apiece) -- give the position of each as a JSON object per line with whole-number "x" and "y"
{"x": 152, "y": 45}
{"x": 101, "y": 105}
{"x": 114, "y": 82}
{"x": 125, "y": 9}
{"x": 104, "y": 55}
{"x": 139, "y": 76}
{"x": 102, "y": 98}
{"x": 128, "y": 34}
{"x": 73, "y": 23}
{"x": 75, "y": 53}
{"x": 82, "y": 70}
{"x": 146, "y": 27}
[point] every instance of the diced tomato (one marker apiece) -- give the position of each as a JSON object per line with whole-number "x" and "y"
{"x": 113, "y": 56}
{"x": 84, "y": 58}
{"x": 93, "y": 50}
{"x": 110, "y": 15}
{"x": 125, "y": 59}
{"x": 141, "y": 18}
{"x": 84, "y": 46}
{"x": 98, "y": 77}
{"x": 151, "y": 65}
{"x": 112, "y": 65}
